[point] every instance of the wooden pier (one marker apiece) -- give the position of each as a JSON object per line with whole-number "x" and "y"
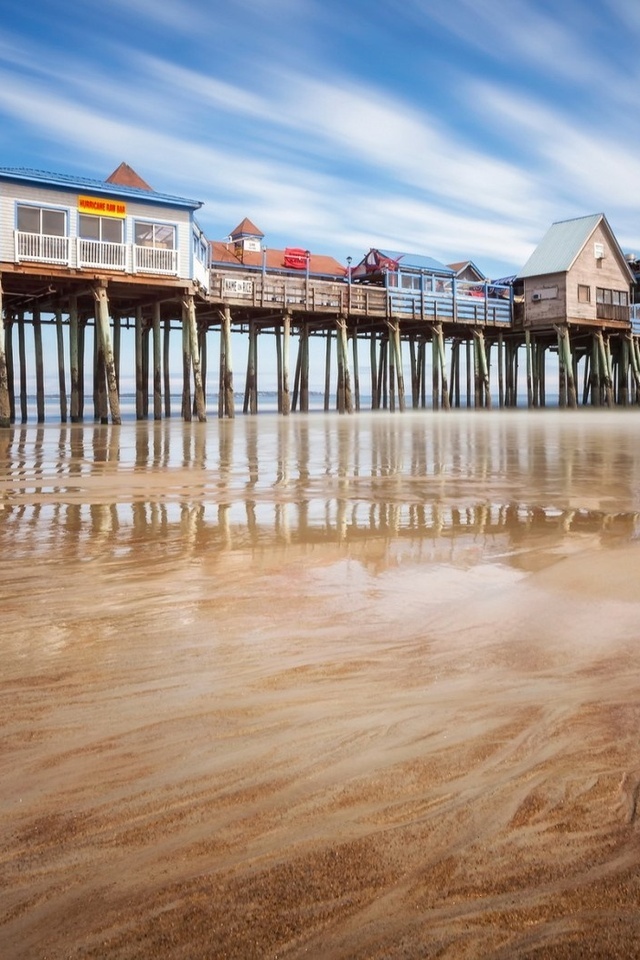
{"x": 414, "y": 354}
{"x": 120, "y": 282}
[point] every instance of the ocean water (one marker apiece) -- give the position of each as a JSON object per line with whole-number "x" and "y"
{"x": 332, "y": 686}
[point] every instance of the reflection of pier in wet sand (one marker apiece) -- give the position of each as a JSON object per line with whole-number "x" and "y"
{"x": 313, "y": 482}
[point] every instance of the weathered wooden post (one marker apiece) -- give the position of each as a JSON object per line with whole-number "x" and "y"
{"x": 61, "y": 374}
{"x": 139, "y": 365}
{"x": 327, "y": 370}
{"x": 117, "y": 330}
{"x": 454, "y": 386}
{"x": 251, "y": 387}
{"x": 157, "y": 362}
{"x": 446, "y": 405}
{"x": 397, "y": 349}
{"x": 37, "y": 339}
{"x": 356, "y": 370}
{"x": 483, "y": 388}
{"x": 343, "y": 353}
{"x": 373, "y": 362}
{"x": 22, "y": 357}
{"x": 286, "y": 346}
{"x": 186, "y": 369}
{"x": 100, "y": 410}
{"x": 569, "y": 367}
{"x": 225, "y": 389}
{"x": 527, "y": 341}
{"x": 605, "y": 367}
{"x": 635, "y": 365}
{"x": 500, "y": 371}
{"x": 304, "y": 367}
{"x": 102, "y": 324}
{"x": 166, "y": 354}
{"x": 9, "y": 322}
{"x": 5, "y": 406}
{"x": 189, "y": 306}
{"x": 435, "y": 372}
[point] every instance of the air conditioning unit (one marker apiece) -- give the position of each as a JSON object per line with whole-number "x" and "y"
{"x": 536, "y": 296}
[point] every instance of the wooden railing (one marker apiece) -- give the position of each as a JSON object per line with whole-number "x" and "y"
{"x": 299, "y": 294}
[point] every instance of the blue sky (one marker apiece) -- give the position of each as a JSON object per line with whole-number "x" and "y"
{"x": 456, "y": 128}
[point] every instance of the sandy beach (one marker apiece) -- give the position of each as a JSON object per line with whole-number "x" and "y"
{"x": 325, "y": 688}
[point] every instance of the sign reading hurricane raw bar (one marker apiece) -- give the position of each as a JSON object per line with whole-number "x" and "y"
{"x": 230, "y": 286}
{"x": 102, "y": 206}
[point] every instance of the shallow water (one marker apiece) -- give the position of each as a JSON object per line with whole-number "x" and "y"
{"x": 321, "y": 686}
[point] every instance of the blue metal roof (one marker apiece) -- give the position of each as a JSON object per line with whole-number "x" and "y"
{"x": 415, "y": 261}
{"x": 70, "y": 182}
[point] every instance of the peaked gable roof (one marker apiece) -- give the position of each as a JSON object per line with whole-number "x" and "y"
{"x": 246, "y": 228}
{"x": 467, "y": 265}
{"x": 562, "y": 243}
{"x": 126, "y": 176}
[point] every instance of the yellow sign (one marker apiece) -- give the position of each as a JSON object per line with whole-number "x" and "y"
{"x": 102, "y": 207}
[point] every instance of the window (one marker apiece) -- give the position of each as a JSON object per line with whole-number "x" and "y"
{"x": 158, "y": 235}
{"x": 199, "y": 248}
{"x": 615, "y": 297}
{"x": 42, "y": 220}
{"x": 105, "y": 229}
{"x": 410, "y": 282}
{"x": 584, "y": 293}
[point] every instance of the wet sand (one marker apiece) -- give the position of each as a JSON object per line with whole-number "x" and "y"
{"x": 358, "y": 695}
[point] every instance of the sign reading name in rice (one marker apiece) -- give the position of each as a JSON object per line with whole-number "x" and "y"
{"x": 233, "y": 287}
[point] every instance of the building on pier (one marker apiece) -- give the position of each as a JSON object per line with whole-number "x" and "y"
{"x": 101, "y": 253}
{"x": 577, "y": 275}
{"x": 574, "y": 296}
{"x": 244, "y": 250}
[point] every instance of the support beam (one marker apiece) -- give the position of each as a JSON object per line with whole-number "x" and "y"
{"x": 61, "y": 372}
{"x": 5, "y": 406}
{"x": 226, "y": 366}
{"x": 139, "y": 365}
{"x": 286, "y": 346}
{"x": 189, "y": 305}
{"x": 37, "y": 339}
{"x": 157, "y": 363}
{"x": 102, "y": 323}
{"x": 166, "y": 371}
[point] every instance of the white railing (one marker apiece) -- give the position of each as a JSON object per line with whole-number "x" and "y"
{"x": 41, "y": 248}
{"x": 155, "y": 260}
{"x": 96, "y": 253}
